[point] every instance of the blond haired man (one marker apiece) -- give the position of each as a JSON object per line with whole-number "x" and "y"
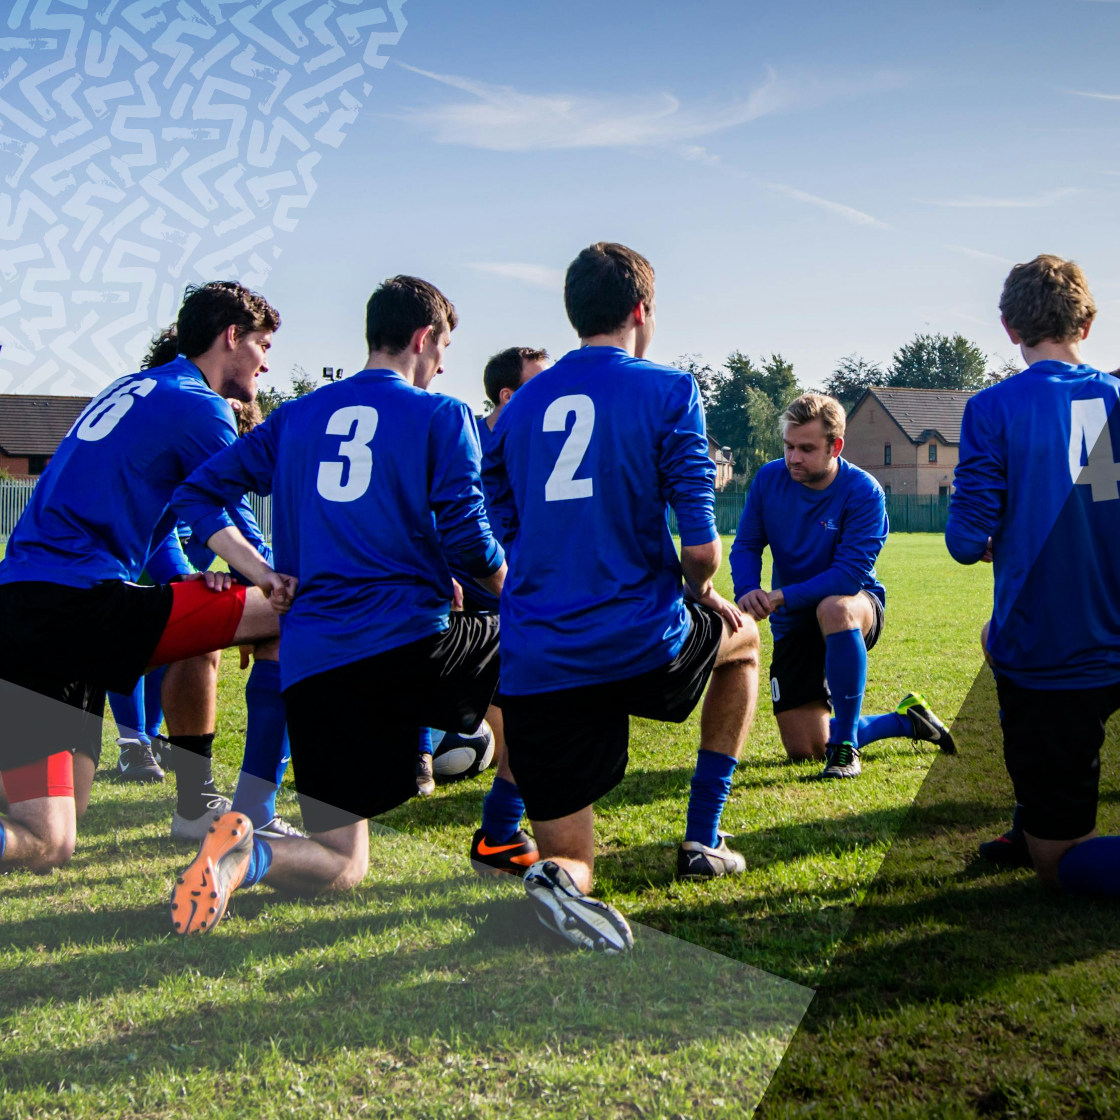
{"x": 825, "y": 522}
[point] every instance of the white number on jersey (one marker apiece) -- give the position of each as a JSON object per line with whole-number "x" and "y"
{"x": 1089, "y": 435}
{"x": 359, "y": 422}
{"x": 562, "y": 483}
{"x": 101, "y": 417}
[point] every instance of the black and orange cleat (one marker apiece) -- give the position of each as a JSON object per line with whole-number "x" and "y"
{"x": 512, "y": 857}
{"x": 201, "y": 893}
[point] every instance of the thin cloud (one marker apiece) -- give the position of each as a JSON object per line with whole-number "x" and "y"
{"x": 501, "y": 118}
{"x": 980, "y": 255}
{"x": 1092, "y": 94}
{"x": 848, "y": 213}
{"x": 977, "y": 202}
{"x": 538, "y": 275}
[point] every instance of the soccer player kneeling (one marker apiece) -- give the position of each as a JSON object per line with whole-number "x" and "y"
{"x": 373, "y": 479}
{"x": 73, "y": 622}
{"x": 595, "y": 628}
{"x": 825, "y": 522}
{"x": 1038, "y": 494}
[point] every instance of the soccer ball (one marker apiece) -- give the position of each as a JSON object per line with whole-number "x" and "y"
{"x": 456, "y": 756}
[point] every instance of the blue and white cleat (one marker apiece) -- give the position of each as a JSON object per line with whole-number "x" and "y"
{"x": 564, "y": 910}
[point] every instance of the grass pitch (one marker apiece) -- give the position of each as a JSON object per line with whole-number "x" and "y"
{"x": 944, "y": 989}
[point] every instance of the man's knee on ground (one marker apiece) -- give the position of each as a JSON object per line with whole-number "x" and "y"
{"x": 349, "y": 862}
{"x": 802, "y": 746}
{"x": 52, "y": 846}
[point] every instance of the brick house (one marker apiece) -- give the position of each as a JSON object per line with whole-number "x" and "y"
{"x": 909, "y": 439}
{"x": 723, "y": 460}
{"x": 32, "y": 427}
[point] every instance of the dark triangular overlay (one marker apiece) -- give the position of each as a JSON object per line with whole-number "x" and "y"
{"x": 964, "y": 989}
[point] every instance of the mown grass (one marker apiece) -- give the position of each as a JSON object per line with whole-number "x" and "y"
{"x": 428, "y": 993}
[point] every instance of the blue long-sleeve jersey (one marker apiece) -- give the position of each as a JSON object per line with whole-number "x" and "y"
{"x": 824, "y": 542}
{"x": 583, "y": 462}
{"x": 484, "y": 599}
{"x": 101, "y": 508}
{"x": 1038, "y": 475}
{"x": 372, "y": 482}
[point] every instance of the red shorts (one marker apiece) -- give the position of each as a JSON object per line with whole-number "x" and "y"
{"x": 201, "y": 621}
{"x": 48, "y": 777}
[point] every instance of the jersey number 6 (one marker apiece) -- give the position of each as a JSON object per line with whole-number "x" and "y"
{"x": 98, "y": 421}
{"x": 562, "y": 483}
{"x": 359, "y": 422}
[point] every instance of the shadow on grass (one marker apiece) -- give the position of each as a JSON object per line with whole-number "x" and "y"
{"x": 940, "y": 931}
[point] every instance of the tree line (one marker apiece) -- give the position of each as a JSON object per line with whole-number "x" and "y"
{"x": 743, "y": 399}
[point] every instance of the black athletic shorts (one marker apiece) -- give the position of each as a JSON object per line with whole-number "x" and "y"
{"x": 68, "y": 645}
{"x": 797, "y": 666}
{"x": 569, "y": 748}
{"x": 354, "y": 729}
{"x": 1051, "y": 747}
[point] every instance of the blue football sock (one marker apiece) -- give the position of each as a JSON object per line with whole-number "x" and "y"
{"x": 711, "y": 786}
{"x": 1017, "y": 821}
{"x": 845, "y": 666}
{"x": 153, "y": 702}
{"x": 128, "y": 712}
{"x": 3, "y": 839}
{"x": 266, "y": 745}
{"x": 1092, "y": 868}
{"x": 425, "y": 740}
{"x": 259, "y": 862}
{"x": 871, "y": 729}
{"x": 502, "y": 811}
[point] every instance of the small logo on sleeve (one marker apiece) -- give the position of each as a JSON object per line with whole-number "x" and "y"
{"x": 830, "y": 524}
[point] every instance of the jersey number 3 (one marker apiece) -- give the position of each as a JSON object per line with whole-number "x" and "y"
{"x": 1089, "y": 436}
{"x": 359, "y": 422}
{"x": 562, "y": 484}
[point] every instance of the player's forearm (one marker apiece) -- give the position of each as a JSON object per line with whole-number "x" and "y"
{"x": 230, "y": 544}
{"x": 699, "y": 563}
{"x": 966, "y": 544}
{"x": 494, "y": 581}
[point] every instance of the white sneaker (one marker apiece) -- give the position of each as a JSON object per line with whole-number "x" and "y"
{"x": 279, "y": 829}
{"x": 698, "y": 861}
{"x": 563, "y": 909}
{"x": 183, "y": 828}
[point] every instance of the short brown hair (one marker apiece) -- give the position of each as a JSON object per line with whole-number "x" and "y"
{"x": 603, "y": 285}
{"x": 1047, "y": 299}
{"x": 400, "y": 307}
{"x": 503, "y": 371}
{"x": 816, "y": 406}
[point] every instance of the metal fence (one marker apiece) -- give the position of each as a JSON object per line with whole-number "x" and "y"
{"x": 908, "y": 513}
{"x": 15, "y": 493}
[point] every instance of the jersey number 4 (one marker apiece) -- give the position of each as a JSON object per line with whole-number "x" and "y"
{"x": 359, "y": 423}
{"x": 1090, "y": 440}
{"x": 562, "y": 485}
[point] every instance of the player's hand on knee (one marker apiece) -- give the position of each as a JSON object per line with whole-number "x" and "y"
{"x": 712, "y": 599}
{"x": 456, "y": 595}
{"x": 279, "y": 588}
{"x": 756, "y": 603}
{"x": 215, "y": 581}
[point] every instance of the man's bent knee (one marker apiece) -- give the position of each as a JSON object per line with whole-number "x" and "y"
{"x": 840, "y": 612}
{"x": 739, "y": 646}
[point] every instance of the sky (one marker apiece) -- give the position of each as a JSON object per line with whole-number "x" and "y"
{"x": 807, "y": 178}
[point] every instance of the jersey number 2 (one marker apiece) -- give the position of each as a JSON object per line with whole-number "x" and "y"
{"x": 359, "y": 422}
{"x": 562, "y": 484}
{"x": 1089, "y": 430}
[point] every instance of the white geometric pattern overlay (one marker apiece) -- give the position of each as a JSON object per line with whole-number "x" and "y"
{"x": 148, "y": 144}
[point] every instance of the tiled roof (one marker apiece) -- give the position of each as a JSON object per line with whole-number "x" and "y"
{"x": 921, "y": 412}
{"x": 35, "y": 425}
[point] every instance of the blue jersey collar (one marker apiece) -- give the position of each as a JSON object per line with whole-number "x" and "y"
{"x": 1051, "y": 368}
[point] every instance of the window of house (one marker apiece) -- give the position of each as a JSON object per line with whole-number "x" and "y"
{"x": 943, "y": 491}
{"x": 886, "y": 454}
{"x": 933, "y": 452}
{"x": 887, "y": 491}
{"x": 36, "y": 464}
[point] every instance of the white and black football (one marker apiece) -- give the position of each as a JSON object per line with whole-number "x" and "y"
{"x": 455, "y": 756}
